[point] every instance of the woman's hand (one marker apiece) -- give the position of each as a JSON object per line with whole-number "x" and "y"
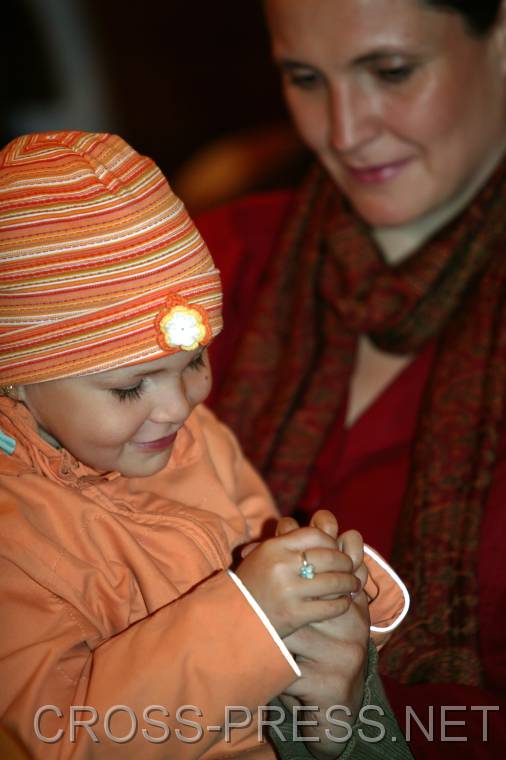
{"x": 333, "y": 659}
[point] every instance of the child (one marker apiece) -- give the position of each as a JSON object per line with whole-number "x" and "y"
{"x": 122, "y": 498}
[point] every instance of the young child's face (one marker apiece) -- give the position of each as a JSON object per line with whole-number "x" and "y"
{"x": 124, "y": 419}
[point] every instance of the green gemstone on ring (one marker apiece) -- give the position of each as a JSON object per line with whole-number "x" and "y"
{"x": 307, "y": 570}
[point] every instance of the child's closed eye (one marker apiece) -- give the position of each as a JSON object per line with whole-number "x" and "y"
{"x": 197, "y": 362}
{"x": 126, "y": 394}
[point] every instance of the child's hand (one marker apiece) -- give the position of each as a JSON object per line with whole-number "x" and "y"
{"x": 271, "y": 573}
{"x": 350, "y": 542}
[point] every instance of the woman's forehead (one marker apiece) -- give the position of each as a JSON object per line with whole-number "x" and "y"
{"x": 354, "y": 27}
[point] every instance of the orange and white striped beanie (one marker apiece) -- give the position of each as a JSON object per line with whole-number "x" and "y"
{"x": 100, "y": 264}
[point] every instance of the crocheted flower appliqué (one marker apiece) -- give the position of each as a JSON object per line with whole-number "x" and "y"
{"x": 182, "y": 325}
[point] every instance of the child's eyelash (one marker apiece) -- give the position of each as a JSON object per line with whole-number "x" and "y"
{"x": 125, "y": 394}
{"x": 197, "y": 362}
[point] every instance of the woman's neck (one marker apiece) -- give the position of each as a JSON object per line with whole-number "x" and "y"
{"x": 398, "y": 243}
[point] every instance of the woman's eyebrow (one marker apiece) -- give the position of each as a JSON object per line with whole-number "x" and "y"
{"x": 380, "y": 54}
{"x": 375, "y": 56}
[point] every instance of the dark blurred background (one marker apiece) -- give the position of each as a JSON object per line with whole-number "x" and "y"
{"x": 187, "y": 82}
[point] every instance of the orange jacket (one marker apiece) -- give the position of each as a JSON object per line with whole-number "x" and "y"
{"x": 114, "y": 591}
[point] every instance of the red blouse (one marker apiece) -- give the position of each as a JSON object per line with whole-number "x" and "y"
{"x": 361, "y": 475}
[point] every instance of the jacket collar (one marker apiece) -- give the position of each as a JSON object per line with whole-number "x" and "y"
{"x": 33, "y": 453}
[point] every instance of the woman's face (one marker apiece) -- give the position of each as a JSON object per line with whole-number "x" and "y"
{"x": 400, "y": 104}
{"x": 123, "y": 419}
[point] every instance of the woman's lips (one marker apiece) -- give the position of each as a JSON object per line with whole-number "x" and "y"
{"x": 159, "y": 445}
{"x": 376, "y": 174}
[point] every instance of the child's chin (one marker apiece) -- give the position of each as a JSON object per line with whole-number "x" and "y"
{"x": 144, "y": 469}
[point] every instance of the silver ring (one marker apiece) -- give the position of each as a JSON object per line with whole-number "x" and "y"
{"x": 306, "y": 569}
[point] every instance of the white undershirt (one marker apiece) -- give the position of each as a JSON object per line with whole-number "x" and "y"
{"x": 398, "y": 243}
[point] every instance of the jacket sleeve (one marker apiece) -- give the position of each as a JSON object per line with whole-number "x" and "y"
{"x": 388, "y": 597}
{"x": 201, "y": 651}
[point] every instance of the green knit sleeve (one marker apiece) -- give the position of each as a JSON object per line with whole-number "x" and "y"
{"x": 375, "y": 734}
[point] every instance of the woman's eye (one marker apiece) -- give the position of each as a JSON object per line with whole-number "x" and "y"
{"x": 126, "y": 394}
{"x": 304, "y": 79}
{"x": 197, "y": 362}
{"x": 394, "y": 74}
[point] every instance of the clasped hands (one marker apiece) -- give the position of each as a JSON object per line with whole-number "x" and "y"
{"x": 324, "y": 621}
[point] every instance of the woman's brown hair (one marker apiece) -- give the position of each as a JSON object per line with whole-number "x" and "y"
{"x": 479, "y": 15}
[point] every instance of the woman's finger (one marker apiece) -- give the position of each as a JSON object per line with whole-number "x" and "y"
{"x": 317, "y": 610}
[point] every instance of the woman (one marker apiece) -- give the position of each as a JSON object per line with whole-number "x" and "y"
{"x": 371, "y": 378}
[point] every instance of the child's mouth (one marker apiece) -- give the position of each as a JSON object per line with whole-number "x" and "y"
{"x": 159, "y": 445}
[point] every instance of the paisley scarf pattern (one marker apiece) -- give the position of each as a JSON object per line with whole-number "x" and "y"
{"x": 330, "y": 283}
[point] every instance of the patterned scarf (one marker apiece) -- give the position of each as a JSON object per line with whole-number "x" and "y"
{"x": 329, "y": 284}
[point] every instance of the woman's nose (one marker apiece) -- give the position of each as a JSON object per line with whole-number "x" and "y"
{"x": 353, "y": 121}
{"x": 172, "y": 404}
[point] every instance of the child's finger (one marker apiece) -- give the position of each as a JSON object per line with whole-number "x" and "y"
{"x": 351, "y": 543}
{"x": 324, "y": 560}
{"x": 325, "y": 521}
{"x": 303, "y": 539}
{"x": 328, "y": 585}
{"x": 362, "y": 574}
{"x": 248, "y": 549}
{"x": 286, "y": 525}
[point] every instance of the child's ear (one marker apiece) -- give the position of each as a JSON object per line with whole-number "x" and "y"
{"x": 11, "y": 391}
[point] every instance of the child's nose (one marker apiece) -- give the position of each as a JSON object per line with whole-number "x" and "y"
{"x": 172, "y": 404}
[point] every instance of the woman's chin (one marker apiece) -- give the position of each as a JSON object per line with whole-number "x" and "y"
{"x": 378, "y": 213}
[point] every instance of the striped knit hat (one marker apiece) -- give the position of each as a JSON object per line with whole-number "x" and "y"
{"x": 100, "y": 264}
